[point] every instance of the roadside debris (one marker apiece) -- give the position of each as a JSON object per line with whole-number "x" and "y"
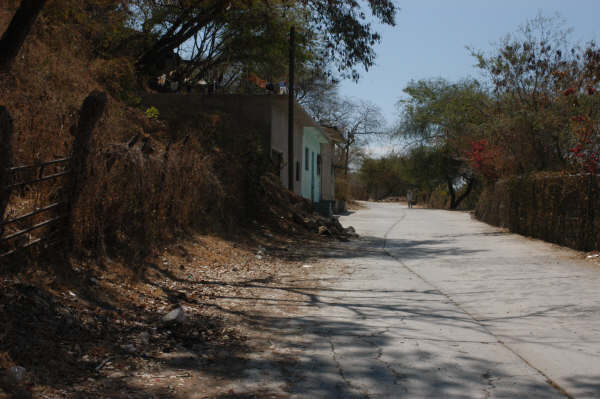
{"x": 175, "y": 316}
{"x": 292, "y": 213}
{"x": 323, "y": 231}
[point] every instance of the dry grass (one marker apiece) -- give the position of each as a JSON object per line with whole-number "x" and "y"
{"x": 53, "y": 73}
{"x": 46, "y": 86}
{"x": 144, "y": 192}
{"x": 133, "y": 200}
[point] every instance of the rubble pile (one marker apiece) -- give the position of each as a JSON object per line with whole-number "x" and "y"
{"x": 290, "y": 212}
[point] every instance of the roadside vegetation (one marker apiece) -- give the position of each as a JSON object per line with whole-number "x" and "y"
{"x": 535, "y": 111}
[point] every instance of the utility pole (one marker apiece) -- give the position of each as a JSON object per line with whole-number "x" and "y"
{"x": 291, "y": 162}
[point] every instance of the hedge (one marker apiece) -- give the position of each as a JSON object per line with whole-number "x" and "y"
{"x": 558, "y": 208}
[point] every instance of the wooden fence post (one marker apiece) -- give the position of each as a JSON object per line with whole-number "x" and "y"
{"x": 6, "y": 136}
{"x": 91, "y": 111}
{"x": 13, "y": 38}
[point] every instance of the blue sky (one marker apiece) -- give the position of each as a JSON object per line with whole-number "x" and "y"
{"x": 430, "y": 37}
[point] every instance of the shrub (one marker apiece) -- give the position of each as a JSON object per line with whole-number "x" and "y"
{"x": 133, "y": 200}
{"x": 137, "y": 197}
{"x": 152, "y": 113}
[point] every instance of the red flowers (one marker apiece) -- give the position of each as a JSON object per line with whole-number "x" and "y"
{"x": 569, "y": 91}
{"x": 588, "y": 159}
{"x": 482, "y": 158}
{"x": 577, "y": 151}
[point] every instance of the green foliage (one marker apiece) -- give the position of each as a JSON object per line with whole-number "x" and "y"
{"x": 152, "y": 113}
{"x": 443, "y": 119}
{"x": 336, "y": 34}
{"x": 540, "y": 113}
{"x": 540, "y": 87}
{"x": 384, "y": 177}
{"x": 438, "y": 112}
{"x": 428, "y": 171}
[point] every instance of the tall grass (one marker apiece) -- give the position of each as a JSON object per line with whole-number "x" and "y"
{"x": 134, "y": 199}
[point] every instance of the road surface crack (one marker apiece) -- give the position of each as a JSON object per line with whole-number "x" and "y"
{"x": 342, "y": 374}
{"x": 490, "y": 384}
{"x": 397, "y": 376}
{"x": 471, "y": 316}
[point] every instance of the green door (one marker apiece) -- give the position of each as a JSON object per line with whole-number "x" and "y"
{"x": 311, "y": 181}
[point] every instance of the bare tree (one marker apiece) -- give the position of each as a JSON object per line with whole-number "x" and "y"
{"x": 359, "y": 122}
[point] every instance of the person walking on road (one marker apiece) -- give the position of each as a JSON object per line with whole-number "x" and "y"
{"x": 409, "y": 198}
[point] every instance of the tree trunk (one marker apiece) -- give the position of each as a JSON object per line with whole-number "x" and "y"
{"x": 452, "y": 193}
{"x": 347, "y": 159}
{"x": 13, "y": 38}
{"x": 181, "y": 31}
{"x": 470, "y": 185}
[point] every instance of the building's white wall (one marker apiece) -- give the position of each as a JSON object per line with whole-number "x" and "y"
{"x": 298, "y": 143}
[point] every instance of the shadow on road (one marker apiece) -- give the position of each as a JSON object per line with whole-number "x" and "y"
{"x": 355, "y": 339}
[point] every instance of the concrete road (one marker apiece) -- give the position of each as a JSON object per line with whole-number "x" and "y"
{"x": 433, "y": 304}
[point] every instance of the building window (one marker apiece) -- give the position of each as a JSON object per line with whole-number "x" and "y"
{"x": 306, "y": 158}
{"x": 297, "y": 170}
{"x": 318, "y": 164}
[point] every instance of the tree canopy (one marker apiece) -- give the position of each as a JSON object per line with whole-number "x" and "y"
{"x": 537, "y": 109}
{"x": 443, "y": 119}
{"x": 334, "y": 31}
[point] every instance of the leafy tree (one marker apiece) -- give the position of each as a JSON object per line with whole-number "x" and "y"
{"x": 431, "y": 167}
{"x": 578, "y": 96}
{"x": 443, "y": 119}
{"x": 386, "y": 176}
{"x": 424, "y": 169}
{"x": 525, "y": 71}
{"x": 345, "y": 38}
